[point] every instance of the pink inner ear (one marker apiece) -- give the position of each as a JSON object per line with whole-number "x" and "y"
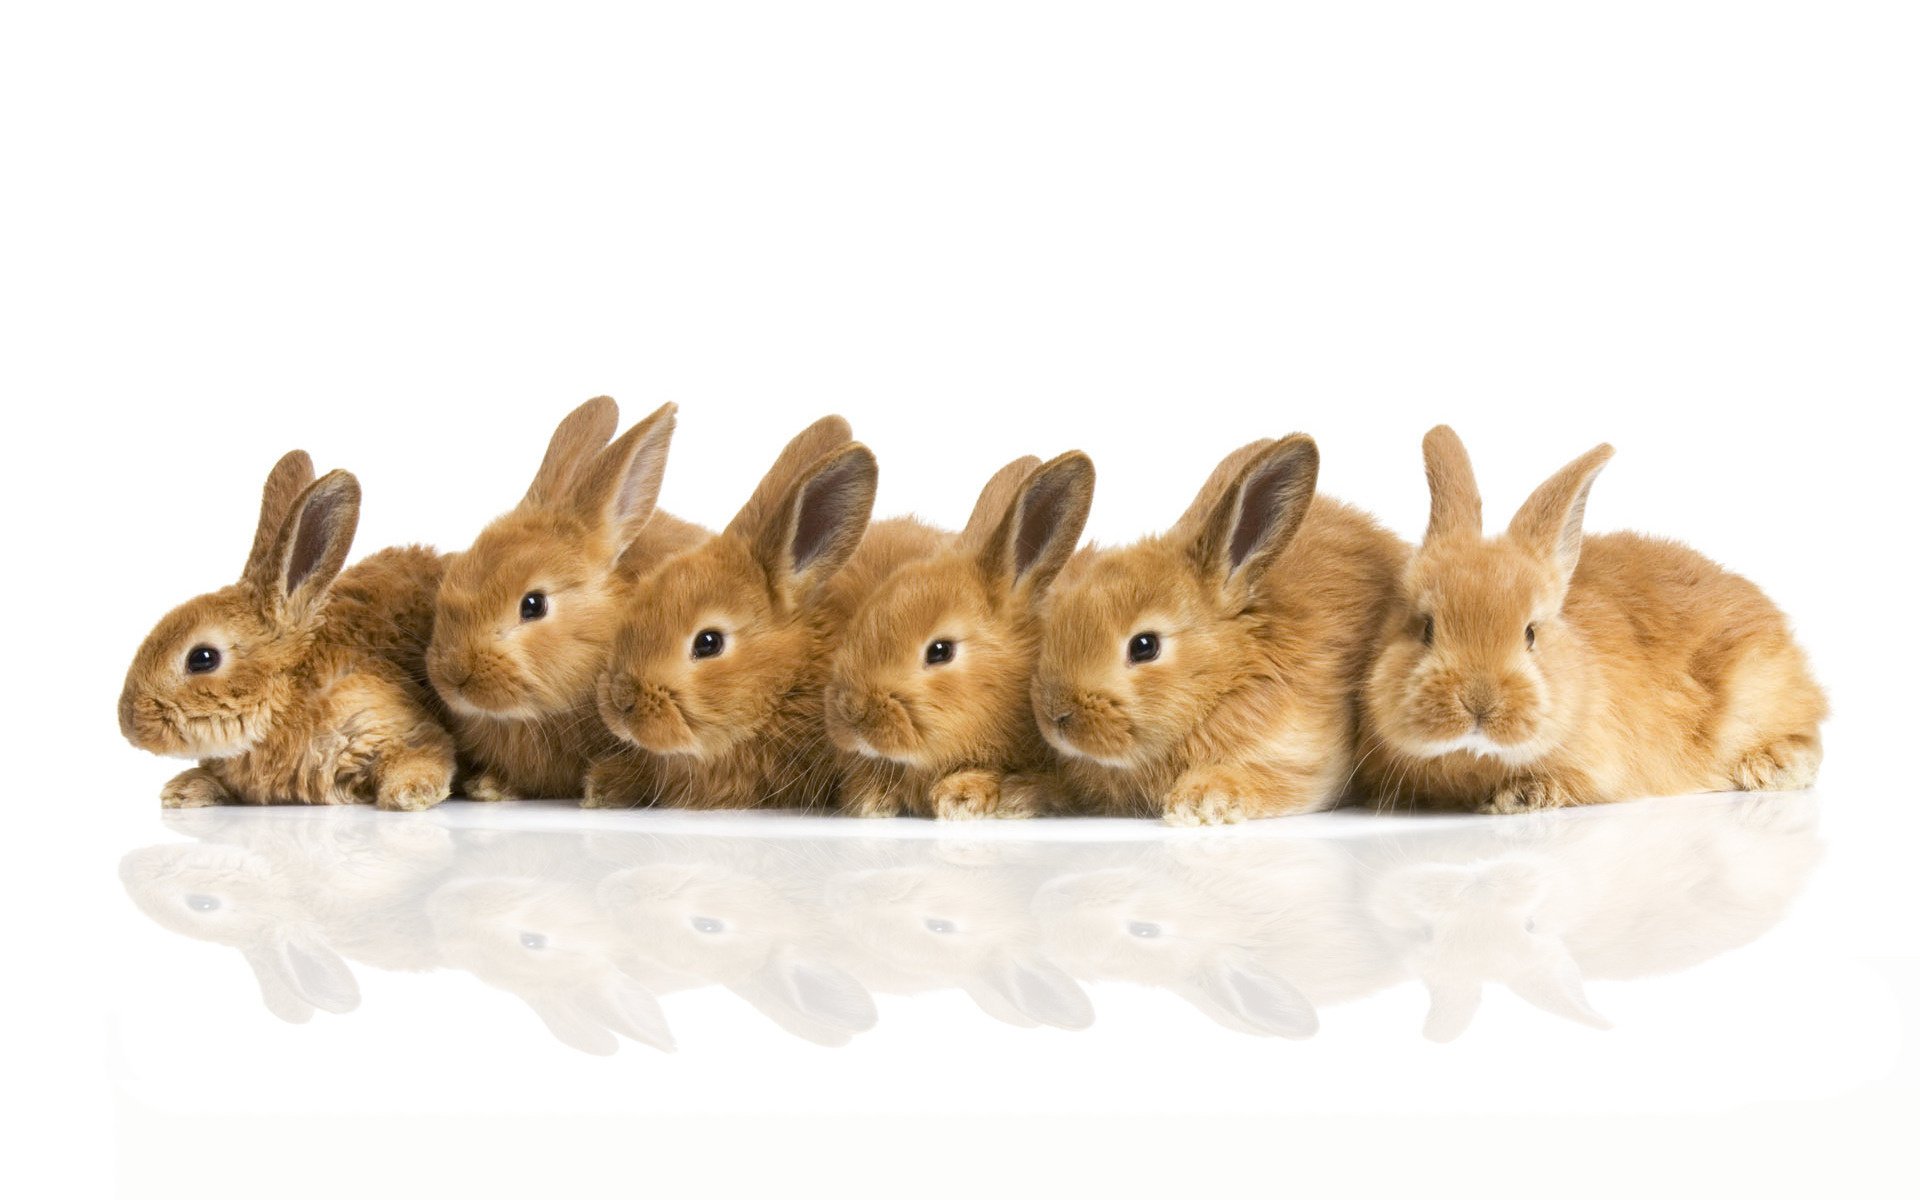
{"x": 828, "y": 507}
{"x": 1039, "y": 516}
{"x": 1264, "y": 503}
{"x": 315, "y": 533}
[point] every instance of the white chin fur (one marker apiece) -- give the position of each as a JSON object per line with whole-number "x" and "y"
{"x": 1482, "y": 746}
{"x": 867, "y": 749}
{"x": 1073, "y": 751}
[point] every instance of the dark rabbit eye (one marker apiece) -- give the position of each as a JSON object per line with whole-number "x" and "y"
{"x": 1426, "y": 630}
{"x": 1529, "y": 637}
{"x": 1144, "y": 647}
{"x": 940, "y": 925}
{"x": 939, "y": 651}
{"x": 202, "y": 659}
{"x": 533, "y": 606}
{"x": 709, "y": 925}
{"x": 1143, "y": 929}
{"x": 200, "y": 903}
{"x": 708, "y": 642}
{"x": 534, "y": 941}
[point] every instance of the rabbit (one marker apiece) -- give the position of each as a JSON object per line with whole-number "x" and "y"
{"x": 1209, "y": 674}
{"x": 525, "y": 615}
{"x": 1541, "y": 668}
{"x": 717, "y": 674}
{"x": 300, "y": 684}
{"x": 929, "y": 691}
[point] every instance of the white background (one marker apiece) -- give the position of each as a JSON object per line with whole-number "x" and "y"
{"x": 409, "y": 238}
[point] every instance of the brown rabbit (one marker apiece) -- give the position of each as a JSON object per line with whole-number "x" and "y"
{"x": 526, "y": 614}
{"x": 298, "y": 684}
{"x": 929, "y": 697}
{"x": 1541, "y": 668}
{"x": 1211, "y": 673}
{"x": 717, "y": 674}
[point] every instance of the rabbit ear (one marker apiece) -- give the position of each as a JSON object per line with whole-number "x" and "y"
{"x": 630, "y": 1009}
{"x": 1214, "y": 490}
{"x": 571, "y": 1024}
{"x": 617, "y": 491}
{"x": 1456, "y": 497}
{"x": 312, "y": 545}
{"x": 1258, "y": 1001}
{"x": 819, "y": 523}
{"x": 580, "y": 435}
{"x": 289, "y": 477}
{"x": 996, "y": 498}
{"x": 296, "y": 977}
{"x": 1038, "y": 991}
{"x": 1450, "y": 1009}
{"x": 1554, "y": 986}
{"x": 814, "y": 1000}
{"x": 1256, "y": 518}
{"x": 1038, "y": 534}
{"x": 808, "y": 447}
{"x": 1549, "y": 523}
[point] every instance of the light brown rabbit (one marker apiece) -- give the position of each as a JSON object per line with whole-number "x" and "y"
{"x": 929, "y": 696}
{"x": 526, "y": 614}
{"x": 298, "y": 684}
{"x": 717, "y": 674}
{"x": 1541, "y": 668}
{"x": 1210, "y": 674}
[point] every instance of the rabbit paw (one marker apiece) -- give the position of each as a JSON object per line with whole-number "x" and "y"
{"x": 1528, "y": 795}
{"x": 410, "y": 787}
{"x": 487, "y": 788}
{"x": 1787, "y": 765}
{"x": 970, "y": 795}
{"x": 194, "y": 789}
{"x": 1205, "y": 798}
{"x": 616, "y": 783}
{"x": 875, "y": 805}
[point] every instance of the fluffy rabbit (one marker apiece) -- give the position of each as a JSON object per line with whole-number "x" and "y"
{"x": 525, "y": 616}
{"x": 717, "y": 674}
{"x": 1209, "y": 674}
{"x": 298, "y": 684}
{"x": 929, "y": 689}
{"x": 1541, "y": 668}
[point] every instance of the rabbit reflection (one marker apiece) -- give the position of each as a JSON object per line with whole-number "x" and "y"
{"x": 960, "y": 915}
{"x": 743, "y": 913}
{"x": 1541, "y": 905}
{"x": 294, "y": 895}
{"x": 1257, "y": 934}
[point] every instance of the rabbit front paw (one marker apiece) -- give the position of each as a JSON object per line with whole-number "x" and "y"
{"x": 971, "y": 795}
{"x": 1528, "y": 795}
{"x": 196, "y": 788}
{"x": 1206, "y": 798}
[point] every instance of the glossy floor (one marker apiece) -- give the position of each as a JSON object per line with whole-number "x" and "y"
{"x": 1697, "y": 958}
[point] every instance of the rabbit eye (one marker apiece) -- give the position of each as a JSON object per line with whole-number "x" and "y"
{"x": 202, "y": 659}
{"x": 1426, "y": 630}
{"x": 1529, "y": 924}
{"x": 708, "y": 642}
{"x": 939, "y": 651}
{"x": 203, "y": 903}
{"x": 1529, "y": 637}
{"x": 709, "y": 925}
{"x": 1143, "y": 647}
{"x": 534, "y": 941}
{"x": 533, "y": 606}
{"x": 940, "y": 925}
{"x": 1143, "y": 929}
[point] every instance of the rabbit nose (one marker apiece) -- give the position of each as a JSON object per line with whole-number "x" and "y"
{"x": 1062, "y": 719}
{"x": 622, "y": 693}
{"x": 1479, "y": 699}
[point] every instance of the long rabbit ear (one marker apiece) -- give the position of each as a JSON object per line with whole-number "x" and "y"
{"x": 580, "y": 435}
{"x": 1549, "y": 523}
{"x": 1214, "y": 490}
{"x": 1450, "y": 1009}
{"x": 1456, "y": 497}
{"x": 808, "y": 447}
{"x": 995, "y": 499}
{"x": 618, "y": 490}
{"x": 1039, "y": 533}
{"x": 1554, "y": 985}
{"x": 289, "y": 477}
{"x": 312, "y": 545}
{"x": 819, "y": 522}
{"x": 1257, "y": 518}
